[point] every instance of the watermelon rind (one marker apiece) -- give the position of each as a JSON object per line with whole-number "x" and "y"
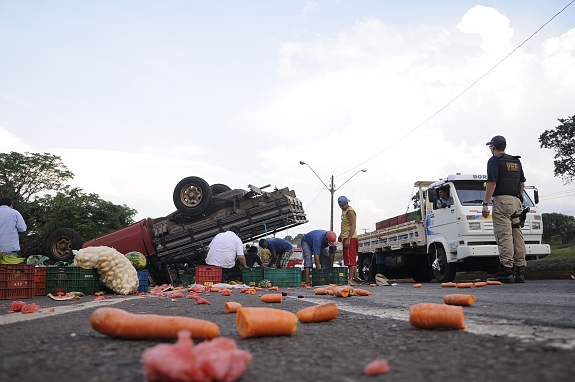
{"x": 61, "y": 298}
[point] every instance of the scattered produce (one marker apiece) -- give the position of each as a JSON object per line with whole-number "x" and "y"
{"x": 377, "y": 366}
{"x": 262, "y": 322}
{"x": 342, "y": 291}
{"x": 479, "y": 284}
{"x": 318, "y": 313}
{"x": 119, "y": 323}
{"x": 215, "y": 360}
{"x": 417, "y": 285}
{"x": 30, "y": 308}
{"x": 493, "y": 282}
{"x": 448, "y": 285}
{"x": 16, "y": 306}
{"x": 431, "y": 316}
{"x": 465, "y": 285}
{"x": 226, "y": 292}
{"x": 232, "y": 307}
{"x": 361, "y": 292}
{"x": 78, "y": 294}
{"x": 116, "y": 271}
{"x": 62, "y": 297}
{"x": 137, "y": 259}
{"x": 265, "y": 283}
{"x": 320, "y": 291}
{"x": 459, "y": 299}
{"x": 272, "y": 297}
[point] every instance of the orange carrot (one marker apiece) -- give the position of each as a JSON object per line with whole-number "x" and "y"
{"x": 479, "y": 284}
{"x": 330, "y": 292}
{"x": 259, "y": 288}
{"x": 361, "y": 292}
{"x": 459, "y": 299}
{"x": 417, "y": 285}
{"x": 494, "y": 282}
{"x": 272, "y": 297}
{"x": 320, "y": 291}
{"x": 377, "y": 366}
{"x": 448, "y": 285}
{"x": 319, "y": 313}
{"x": 273, "y": 288}
{"x": 430, "y": 316}
{"x": 464, "y": 285}
{"x": 215, "y": 290}
{"x": 372, "y": 285}
{"x": 251, "y": 291}
{"x": 119, "y": 323}
{"x": 262, "y": 322}
{"x": 232, "y": 307}
{"x": 341, "y": 291}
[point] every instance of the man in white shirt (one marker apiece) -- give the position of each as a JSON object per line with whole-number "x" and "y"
{"x": 11, "y": 223}
{"x": 223, "y": 251}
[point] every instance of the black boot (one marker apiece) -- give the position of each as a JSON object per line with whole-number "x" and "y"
{"x": 504, "y": 274}
{"x": 519, "y": 274}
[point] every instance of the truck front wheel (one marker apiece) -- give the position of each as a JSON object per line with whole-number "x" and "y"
{"x": 443, "y": 271}
{"x": 192, "y": 195}
{"x": 367, "y": 268}
{"x": 61, "y": 243}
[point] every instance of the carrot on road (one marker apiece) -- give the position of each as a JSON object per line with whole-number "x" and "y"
{"x": 431, "y": 316}
{"x": 319, "y": 313}
{"x": 232, "y": 307}
{"x": 272, "y": 297}
{"x": 459, "y": 299}
{"x": 263, "y": 322}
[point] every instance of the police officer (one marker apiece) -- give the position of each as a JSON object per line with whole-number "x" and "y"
{"x": 506, "y": 182}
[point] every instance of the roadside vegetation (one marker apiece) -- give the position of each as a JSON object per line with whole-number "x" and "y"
{"x": 562, "y": 258}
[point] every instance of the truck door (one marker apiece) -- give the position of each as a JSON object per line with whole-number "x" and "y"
{"x": 442, "y": 219}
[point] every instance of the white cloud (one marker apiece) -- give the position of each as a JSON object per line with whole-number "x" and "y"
{"x": 492, "y": 26}
{"x": 9, "y": 142}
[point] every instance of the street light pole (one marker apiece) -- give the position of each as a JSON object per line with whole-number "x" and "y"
{"x": 331, "y": 188}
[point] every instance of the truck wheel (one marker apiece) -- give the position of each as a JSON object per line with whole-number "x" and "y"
{"x": 192, "y": 196}
{"x": 61, "y": 243}
{"x": 367, "y": 269}
{"x": 443, "y": 271}
{"x": 422, "y": 275}
{"x": 218, "y": 188}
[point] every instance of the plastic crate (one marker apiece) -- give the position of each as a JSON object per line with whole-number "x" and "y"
{"x": 208, "y": 274}
{"x": 40, "y": 281}
{"x": 143, "y": 281}
{"x": 335, "y": 275}
{"x": 16, "y": 281}
{"x": 252, "y": 277}
{"x": 72, "y": 279}
{"x": 288, "y": 277}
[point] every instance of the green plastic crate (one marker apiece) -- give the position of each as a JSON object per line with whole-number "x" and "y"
{"x": 325, "y": 276}
{"x": 252, "y": 277}
{"x": 283, "y": 277}
{"x": 72, "y": 279}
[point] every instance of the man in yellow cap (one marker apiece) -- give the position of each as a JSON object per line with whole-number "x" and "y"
{"x": 348, "y": 237}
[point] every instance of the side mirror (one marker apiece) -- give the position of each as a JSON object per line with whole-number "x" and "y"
{"x": 536, "y": 195}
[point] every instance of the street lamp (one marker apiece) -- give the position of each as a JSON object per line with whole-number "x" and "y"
{"x": 331, "y": 188}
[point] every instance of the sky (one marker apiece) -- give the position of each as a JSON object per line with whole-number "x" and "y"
{"x": 137, "y": 95}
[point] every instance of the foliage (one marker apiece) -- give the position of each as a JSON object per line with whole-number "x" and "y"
{"x": 28, "y": 174}
{"x": 35, "y": 182}
{"x": 562, "y": 141}
{"x": 558, "y": 226}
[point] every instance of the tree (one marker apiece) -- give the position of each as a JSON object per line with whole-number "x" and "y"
{"x": 562, "y": 141}
{"x": 558, "y": 226}
{"x": 28, "y": 174}
{"x": 35, "y": 182}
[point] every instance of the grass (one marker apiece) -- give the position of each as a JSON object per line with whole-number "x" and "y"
{"x": 562, "y": 258}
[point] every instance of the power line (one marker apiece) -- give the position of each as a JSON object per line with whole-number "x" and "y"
{"x": 460, "y": 94}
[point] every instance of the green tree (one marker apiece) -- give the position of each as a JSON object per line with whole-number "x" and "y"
{"x": 562, "y": 141}
{"x": 558, "y": 227}
{"x": 289, "y": 238}
{"x": 36, "y": 184}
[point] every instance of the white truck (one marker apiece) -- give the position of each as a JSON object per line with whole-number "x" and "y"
{"x": 438, "y": 242}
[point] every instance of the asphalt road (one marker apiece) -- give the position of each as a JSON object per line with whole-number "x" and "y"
{"x": 521, "y": 332}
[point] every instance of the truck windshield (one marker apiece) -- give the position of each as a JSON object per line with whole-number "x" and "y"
{"x": 472, "y": 193}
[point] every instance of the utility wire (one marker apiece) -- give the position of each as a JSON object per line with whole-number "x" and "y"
{"x": 459, "y": 95}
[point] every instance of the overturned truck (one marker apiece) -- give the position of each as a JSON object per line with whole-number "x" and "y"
{"x": 179, "y": 240}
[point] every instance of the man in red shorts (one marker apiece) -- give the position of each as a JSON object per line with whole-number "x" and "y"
{"x": 349, "y": 238}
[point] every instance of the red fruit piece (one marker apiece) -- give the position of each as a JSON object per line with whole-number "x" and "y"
{"x": 377, "y": 366}
{"x": 16, "y": 306}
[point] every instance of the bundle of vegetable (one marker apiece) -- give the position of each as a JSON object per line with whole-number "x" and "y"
{"x": 116, "y": 271}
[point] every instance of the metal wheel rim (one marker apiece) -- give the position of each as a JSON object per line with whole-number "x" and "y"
{"x": 61, "y": 247}
{"x": 191, "y": 195}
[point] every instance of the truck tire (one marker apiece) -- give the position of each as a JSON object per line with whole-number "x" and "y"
{"x": 367, "y": 268}
{"x": 443, "y": 271}
{"x": 192, "y": 195}
{"x": 218, "y": 188}
{"x": 61, "y": 243}
{"x": 422, "y": 275}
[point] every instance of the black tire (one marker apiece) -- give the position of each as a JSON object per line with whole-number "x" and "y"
{"x": 422, "y": 275}
{"x": 218, "y": 188}
{"x": 443, "y": 271}
{"x": 192, "y": 195}
{"x": 61, "y": 243}
{"x": 367, "y": 268}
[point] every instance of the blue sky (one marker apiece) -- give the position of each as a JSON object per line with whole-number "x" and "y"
{"x": 136, "y": 95}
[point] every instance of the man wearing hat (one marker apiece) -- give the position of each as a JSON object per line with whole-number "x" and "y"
{"x": 506, "y": 182}
{"x": 317, "y": 242}
{"x": 349, "y": 238}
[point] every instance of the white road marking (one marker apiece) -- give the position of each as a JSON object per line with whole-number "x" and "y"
{"x": 563, "y": 338}
{"x": 45, "y": 312}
